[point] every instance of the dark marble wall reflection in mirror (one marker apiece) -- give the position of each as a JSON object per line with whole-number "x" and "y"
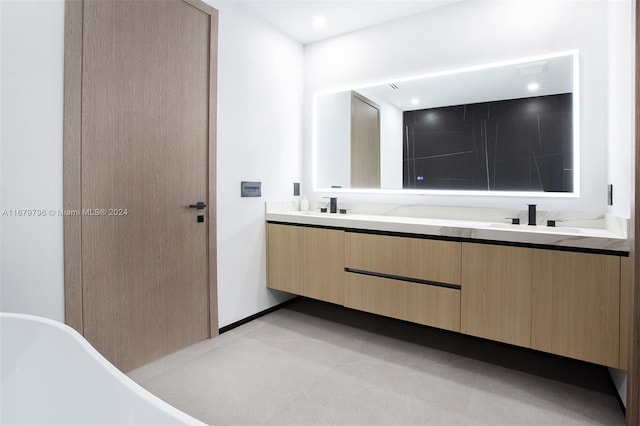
{"x": 511, "y": 145}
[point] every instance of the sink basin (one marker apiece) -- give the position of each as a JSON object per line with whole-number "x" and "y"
{"x": 538, "y": 228}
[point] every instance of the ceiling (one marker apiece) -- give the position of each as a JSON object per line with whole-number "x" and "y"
{"x": 295, "y": 17}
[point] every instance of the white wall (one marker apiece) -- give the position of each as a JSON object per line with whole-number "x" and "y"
{"x": 620, "y": 48}
{"x": 334, "y": 135}
{"x": 480, "y": 32}
{"x": 31, "y": 75}
{"x": 259, "y": 138}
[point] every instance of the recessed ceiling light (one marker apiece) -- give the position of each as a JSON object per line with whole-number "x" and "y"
{"x": 415, "y": 101}
{"x": 319, "y": 22}
{"x": 532, "y": 87}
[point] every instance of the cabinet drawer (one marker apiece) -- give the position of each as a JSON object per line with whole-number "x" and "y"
{"x": 429, "y": 260}
{"x": 419, "y": 303}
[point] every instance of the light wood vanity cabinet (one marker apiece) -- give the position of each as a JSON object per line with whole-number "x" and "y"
{"x": 412, "y": 279}
{"x": 575, "y": 305}
{"x": 565, "y": 303}
{"x": 284, "y": 257}
{"x": 324, "y": 264}
{"x": 568, "y": 303}
{"x": 625, "y": 295}
{"x": 306, "y": 261}
{"x": 496, "y": 293}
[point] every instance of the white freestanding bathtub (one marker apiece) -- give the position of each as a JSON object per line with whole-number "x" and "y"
{"x": 51, "y": 375}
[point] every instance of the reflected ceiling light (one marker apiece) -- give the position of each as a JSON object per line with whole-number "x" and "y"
{"x": 319, "y": 22}
{"x": 415, "y": 101}
{"x": 532, "y": 87}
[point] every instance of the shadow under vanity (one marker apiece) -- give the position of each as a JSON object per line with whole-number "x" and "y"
{"x": 553, "y": 291}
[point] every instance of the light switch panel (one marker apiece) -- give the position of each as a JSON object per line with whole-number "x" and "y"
{"x": 250, "y": 189}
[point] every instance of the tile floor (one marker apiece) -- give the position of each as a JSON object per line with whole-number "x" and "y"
{"x": 312, "y": 363}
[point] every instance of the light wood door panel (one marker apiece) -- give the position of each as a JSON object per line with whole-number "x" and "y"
{"x": 285, "y": 248}
{"x": 324, "y": 264}
{"x": 496, "y": 293}
{"x": 419, "y": 303}
{"x": 145, "y": 148}
{"x": 365, "y": 142}
{"x": 625, "y": 296}
{"x": 430, "y": 260}
{"x": 575, "y": 305}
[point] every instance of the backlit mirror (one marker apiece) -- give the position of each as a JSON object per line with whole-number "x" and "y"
{"x": 504, "y": 128}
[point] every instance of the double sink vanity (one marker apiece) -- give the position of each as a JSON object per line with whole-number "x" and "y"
{"x": 561, "y": 290}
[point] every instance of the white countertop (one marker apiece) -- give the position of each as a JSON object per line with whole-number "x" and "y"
{"x": 564, "y": 236}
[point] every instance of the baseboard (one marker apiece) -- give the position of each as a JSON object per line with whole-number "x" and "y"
{"x": 257, "y": 315}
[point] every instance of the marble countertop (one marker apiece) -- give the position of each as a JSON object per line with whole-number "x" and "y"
{"x": 585, "y": 233}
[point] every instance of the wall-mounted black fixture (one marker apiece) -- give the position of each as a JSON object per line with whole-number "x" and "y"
{"x": 610, "y": 195}
{"x": 296, "y": 188}
{"x": 250, "y": 189}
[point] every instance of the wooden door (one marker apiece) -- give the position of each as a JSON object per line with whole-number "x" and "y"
{"x": 365, "y": 142}
{"x": 147, "y": 261}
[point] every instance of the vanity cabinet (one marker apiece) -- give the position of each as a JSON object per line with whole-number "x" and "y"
{"x": 411, "y": 279}
{"x": 625, "y": 296}
{"x": 284, "y": 257}
{"x": 324, "y": 264}
{"x": 568, "y": 303}
{"x": 575, "y": 303}
{"x": 565, "y": 303}
{"x": 496, "y": 293}
{"x": 306, "y": 261}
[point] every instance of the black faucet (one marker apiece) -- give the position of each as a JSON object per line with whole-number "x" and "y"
{"x": 532, "y": 214}
{"x": 333, "y": 205}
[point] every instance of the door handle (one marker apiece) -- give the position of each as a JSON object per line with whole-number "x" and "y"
{"x": 199, "y": 205}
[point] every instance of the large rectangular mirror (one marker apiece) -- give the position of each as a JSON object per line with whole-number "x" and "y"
{"x": 507, "y": 128}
